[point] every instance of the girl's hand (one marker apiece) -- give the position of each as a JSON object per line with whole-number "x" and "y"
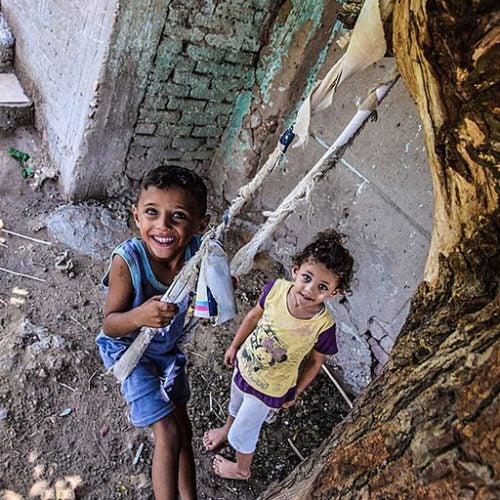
{"x": 291, "y": 403}
{"x": 156, "y": 314}
{"x": 229, "y": 357}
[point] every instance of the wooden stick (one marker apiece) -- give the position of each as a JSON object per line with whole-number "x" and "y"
{"x": 199, "y": 355}
{"x": 36, "y": 240}
{"x": 138, "y": 454}
{"x": 294, "y": 448}
{"x": 67, "y": 386}
{"x": 92, "y": 378}
{"x": 78, "y": 323}
{"x": 337, "y": 385}
{"x": 21, "y": 274}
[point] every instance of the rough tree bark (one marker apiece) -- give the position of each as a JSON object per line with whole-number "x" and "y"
{"x": 428, "y": 426}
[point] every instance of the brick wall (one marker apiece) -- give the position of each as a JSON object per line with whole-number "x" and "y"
{"x": 205, "y": 58}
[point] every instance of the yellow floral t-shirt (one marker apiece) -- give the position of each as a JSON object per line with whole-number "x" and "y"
{"x": 270, "y": 358}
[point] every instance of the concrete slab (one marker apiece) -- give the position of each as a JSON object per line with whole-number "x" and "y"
{"x": 11, "y": 92}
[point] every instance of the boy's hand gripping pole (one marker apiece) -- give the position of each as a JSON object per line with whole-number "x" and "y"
{"x": 183, "y": 283}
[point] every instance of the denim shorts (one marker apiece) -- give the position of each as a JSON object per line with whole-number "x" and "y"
{"x": 154, "y": 387}
{"x": 148, "y": 399}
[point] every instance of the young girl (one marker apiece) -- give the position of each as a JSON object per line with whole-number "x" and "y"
{"x": 289, "y": 323}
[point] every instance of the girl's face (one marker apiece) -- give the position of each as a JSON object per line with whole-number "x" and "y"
{"x": 314, "y": 283}
{"x": 167, "y": 220}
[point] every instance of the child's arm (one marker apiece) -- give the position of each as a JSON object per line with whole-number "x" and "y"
{"x": 308, "y": 374}
{"x": 119, "y": 320}
{"x": 246, "y": 328}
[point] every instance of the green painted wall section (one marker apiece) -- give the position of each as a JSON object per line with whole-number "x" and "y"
{"x": 303, "y": 11}
{"x": 241, "y": 109}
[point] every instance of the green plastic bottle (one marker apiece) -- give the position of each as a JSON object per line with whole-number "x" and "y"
{"x": 18, "y": 155}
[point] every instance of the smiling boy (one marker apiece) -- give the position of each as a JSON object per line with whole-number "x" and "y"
{"x": 170, "y": 213}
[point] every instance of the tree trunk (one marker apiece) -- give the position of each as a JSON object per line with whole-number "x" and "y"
{"x": 428, "y": 426}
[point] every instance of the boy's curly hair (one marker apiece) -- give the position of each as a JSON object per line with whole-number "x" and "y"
{"x": 166, "y": 176}
{"x": 327, "y": 249}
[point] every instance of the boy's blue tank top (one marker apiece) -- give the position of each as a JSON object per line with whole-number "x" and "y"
{"x": 145, "y": 285}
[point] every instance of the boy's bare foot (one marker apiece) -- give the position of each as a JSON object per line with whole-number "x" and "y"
{"x": 228, "y": 470}
{"x": 213, "y": 438}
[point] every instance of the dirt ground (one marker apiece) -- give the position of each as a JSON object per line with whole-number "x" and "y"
{"x": 64, "y": 431}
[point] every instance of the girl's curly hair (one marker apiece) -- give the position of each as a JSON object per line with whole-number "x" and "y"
{"x": 327, "y": 249}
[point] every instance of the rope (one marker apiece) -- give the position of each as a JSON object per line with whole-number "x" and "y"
{"x": 247, "y": 192}
{"x": 243, "y": 260}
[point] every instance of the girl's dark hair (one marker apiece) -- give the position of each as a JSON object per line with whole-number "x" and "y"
{"x": 327, "y": 249}
{"x": 166, "y": 176}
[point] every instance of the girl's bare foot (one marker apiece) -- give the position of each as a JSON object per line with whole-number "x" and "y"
{"x": 228, "y": 470}
{"x": 213, "y": 438}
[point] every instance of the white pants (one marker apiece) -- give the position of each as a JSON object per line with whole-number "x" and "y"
{"x": 249, "y": 414}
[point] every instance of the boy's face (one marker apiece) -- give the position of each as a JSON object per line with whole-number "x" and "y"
{"x": 167, "y": 220}
{"x": 313, "y": 284}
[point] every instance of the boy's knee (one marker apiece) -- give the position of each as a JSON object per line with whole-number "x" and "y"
{"x": 167, "y": 430}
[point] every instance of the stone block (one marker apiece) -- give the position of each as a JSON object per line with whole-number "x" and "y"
{"x": 196, "y": 118}
{"x": 152, "y": 116}
{"x": 209, "y": 94}
{"x": 185, "y": 64}
{"x": 207, "y": 131}
{"x": 155, "y": 102}
{"x": 145, "y": 128}
{"x": 221, "y": 69}
{"x": 219, "y": 108}
{"x": 186, "y": 143}
{"x": 16, "y": 108}
{"x": 162, "y": 72}
{"x": 169, "y": 130}
{"x": 172, "y": 89}
{"x": 149, "y": 141}
{"x": 223, "y": 41}
{"x": 190, "y": 105}
{"x": 15, "y": 116}
{"x": 170, "y": 45}
{"x": 183, "y": 78}
{"x": 205, "y": 53}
